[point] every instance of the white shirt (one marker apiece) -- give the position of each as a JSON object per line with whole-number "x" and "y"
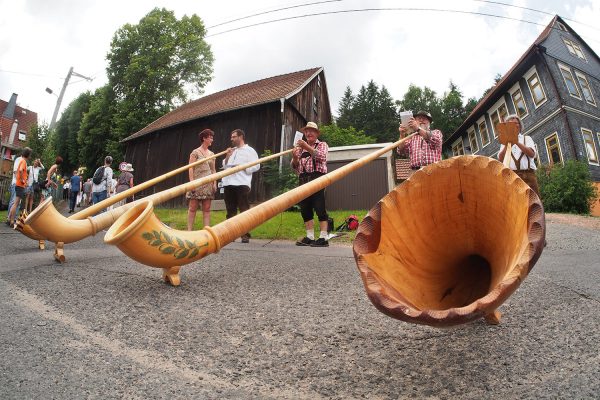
{"x": 241, "y": 155}
{"x": 516, "y": 151}
{"x": 108, "y": 174}
{"x": 15, "y": 166}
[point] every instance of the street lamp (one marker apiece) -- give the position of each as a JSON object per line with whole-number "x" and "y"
{"x": 62, "y": 93}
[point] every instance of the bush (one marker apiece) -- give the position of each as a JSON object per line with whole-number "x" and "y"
{"x": 567, "y": 188}
{"x": 278, "y": 182}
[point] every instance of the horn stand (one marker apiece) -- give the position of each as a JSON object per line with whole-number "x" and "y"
{"x": 141, "y": 236}
{"x": 48, "y": 223}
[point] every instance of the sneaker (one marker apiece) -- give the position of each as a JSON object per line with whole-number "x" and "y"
{"x": 245, "y": 239}
{"x": 320, "y": 242}
{"x": 305, "y": 242}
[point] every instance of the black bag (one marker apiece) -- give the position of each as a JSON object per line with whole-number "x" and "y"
{"x": 36, "y": 187}
{"x": 98, "y": 175}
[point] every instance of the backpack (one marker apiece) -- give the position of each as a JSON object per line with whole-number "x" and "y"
{"x": 98, "y": 176}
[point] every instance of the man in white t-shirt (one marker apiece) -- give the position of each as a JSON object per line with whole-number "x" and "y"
{"x": 237, "y": 186}
{"x": 101, "y": 190}
{"x": 12, "y": 188}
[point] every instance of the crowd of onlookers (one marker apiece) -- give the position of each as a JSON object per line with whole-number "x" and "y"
{"x": 32, "y": 183}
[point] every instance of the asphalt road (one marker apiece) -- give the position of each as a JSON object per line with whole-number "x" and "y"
{"x": 280, "y": 321}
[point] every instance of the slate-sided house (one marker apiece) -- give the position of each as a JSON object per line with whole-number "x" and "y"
{"x": 555, "y": 88}
{"x": 268, "y": 110}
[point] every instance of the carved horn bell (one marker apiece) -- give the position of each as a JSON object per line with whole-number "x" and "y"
{"x": 451, "y": 243}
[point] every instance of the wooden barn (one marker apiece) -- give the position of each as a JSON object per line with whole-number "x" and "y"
{"x": 269, "y": 110}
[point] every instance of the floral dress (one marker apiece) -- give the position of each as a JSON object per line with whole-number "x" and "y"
{"x": 203, "y": 192}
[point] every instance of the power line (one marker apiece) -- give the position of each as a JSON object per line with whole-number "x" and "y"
{"x": 30, "y": 74}
{"x": 382, "y": 9}
{"x": 275, "y": 10}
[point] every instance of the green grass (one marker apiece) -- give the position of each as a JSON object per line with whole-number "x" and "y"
{"x": 285, "y": 226}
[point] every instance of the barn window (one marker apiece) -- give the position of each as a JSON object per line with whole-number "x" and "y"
{"x": 316, "y": 105}
{"x": 553, "y": 148}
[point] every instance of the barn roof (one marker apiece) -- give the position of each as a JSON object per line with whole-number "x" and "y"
{"x": 247, "y": 95}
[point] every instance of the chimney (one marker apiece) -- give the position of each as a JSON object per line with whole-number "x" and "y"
{"x": 9, "y": 111}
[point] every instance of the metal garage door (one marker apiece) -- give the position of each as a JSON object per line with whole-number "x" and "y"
{"x": 360, "y": 189}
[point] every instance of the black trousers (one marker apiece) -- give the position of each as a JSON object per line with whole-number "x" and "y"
{"x": 314, "y": 203}
{"x": 236, "y": 198}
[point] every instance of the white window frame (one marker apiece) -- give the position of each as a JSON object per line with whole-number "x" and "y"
{"x": 562, "y": 27}
{"x": 565, "y": 69}
{"x": 469, "y": 132}
{"x": 462, "y": 145}
{"x": 574, "y": 49}
{"x": 590, "y": 161}
{"x": 580, "y": 76}
{"x": 22, "y": 136}
{"x": 496, "y": 109}
{"x": 512, "y": 92}
{"x": 528, "y": 76}
{"x": 562, "y": 158}
{"x": 479, "y": 121}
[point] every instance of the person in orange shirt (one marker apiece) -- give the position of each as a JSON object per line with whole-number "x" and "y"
{"x": 20, "y": 185}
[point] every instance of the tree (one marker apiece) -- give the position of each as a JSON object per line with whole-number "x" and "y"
{"x": 334, "y": 135}
{"x": 345, "y": 108}
{"x": 150, "y": 66}
{"x": 497, "y": 79}
{"x": 37, "y": 141}
{"x": 67, "y": 129}
{"x": 373, "y": 111}
{"x": 416, "y": 99}
{"x": 453, "y": 112}
{"x": 94, "y": 134}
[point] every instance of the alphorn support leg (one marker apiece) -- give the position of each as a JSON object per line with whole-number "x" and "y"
{"x": 42, "y": 244}
{"x": 171, "y": 275}
{"x": 59, "y": 253}
{"x": 493, "y": 318}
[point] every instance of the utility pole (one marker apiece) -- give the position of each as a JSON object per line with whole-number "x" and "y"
{"x": 62, "y": 93}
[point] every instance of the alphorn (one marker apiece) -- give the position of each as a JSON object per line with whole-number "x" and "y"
{"x": 446, "y": 247}
{"x": 49, "y": 223}
{"x": 28, "y": 231}
{"x": 140, "y": 235}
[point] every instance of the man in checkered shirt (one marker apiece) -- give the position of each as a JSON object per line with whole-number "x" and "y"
{"x": 424, "y": 148}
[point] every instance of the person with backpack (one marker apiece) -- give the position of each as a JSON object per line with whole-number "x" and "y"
{"x": 102, "y": 180}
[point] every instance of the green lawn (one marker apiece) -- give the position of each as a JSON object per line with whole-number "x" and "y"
{"x": 286, "y": 226}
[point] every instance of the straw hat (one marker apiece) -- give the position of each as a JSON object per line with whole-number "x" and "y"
{"x": 128, "y": 167}
{"x": 311, "y": 125}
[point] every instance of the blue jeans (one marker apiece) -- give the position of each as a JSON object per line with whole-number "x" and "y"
{"x": 13, "y": 194}
{"x": 98, "y": 197}
{"x": 73, "y": 200}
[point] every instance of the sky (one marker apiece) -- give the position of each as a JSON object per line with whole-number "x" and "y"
{"x": 42, "y": 39}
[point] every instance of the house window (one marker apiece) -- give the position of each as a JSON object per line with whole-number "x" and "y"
{"x": 519, "y": 102}
{"x": 585, "y": 88}
{"x": 485, "y": 137}
{"x": 562, "y": 27}
{"x": 319, "y": 81}
{"x": 498, "y": 116}
{"x": 473, "y": 141}
{"x": 22, "y": 136}
{"x": 537, "y": 91}
{"x": 553, "y": 148}
{"x": 590, "y": 147}
{"x": 574, "y": 48}
{"x": 569, "y": 81}
{"x": 457, "y": 148}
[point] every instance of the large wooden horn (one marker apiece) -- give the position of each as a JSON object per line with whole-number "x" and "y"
{"x": 450, "y": 244}
{"x": 140, "y": 234}
{"x": 50, "y": 224}
{"x": 25, "y": 227}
